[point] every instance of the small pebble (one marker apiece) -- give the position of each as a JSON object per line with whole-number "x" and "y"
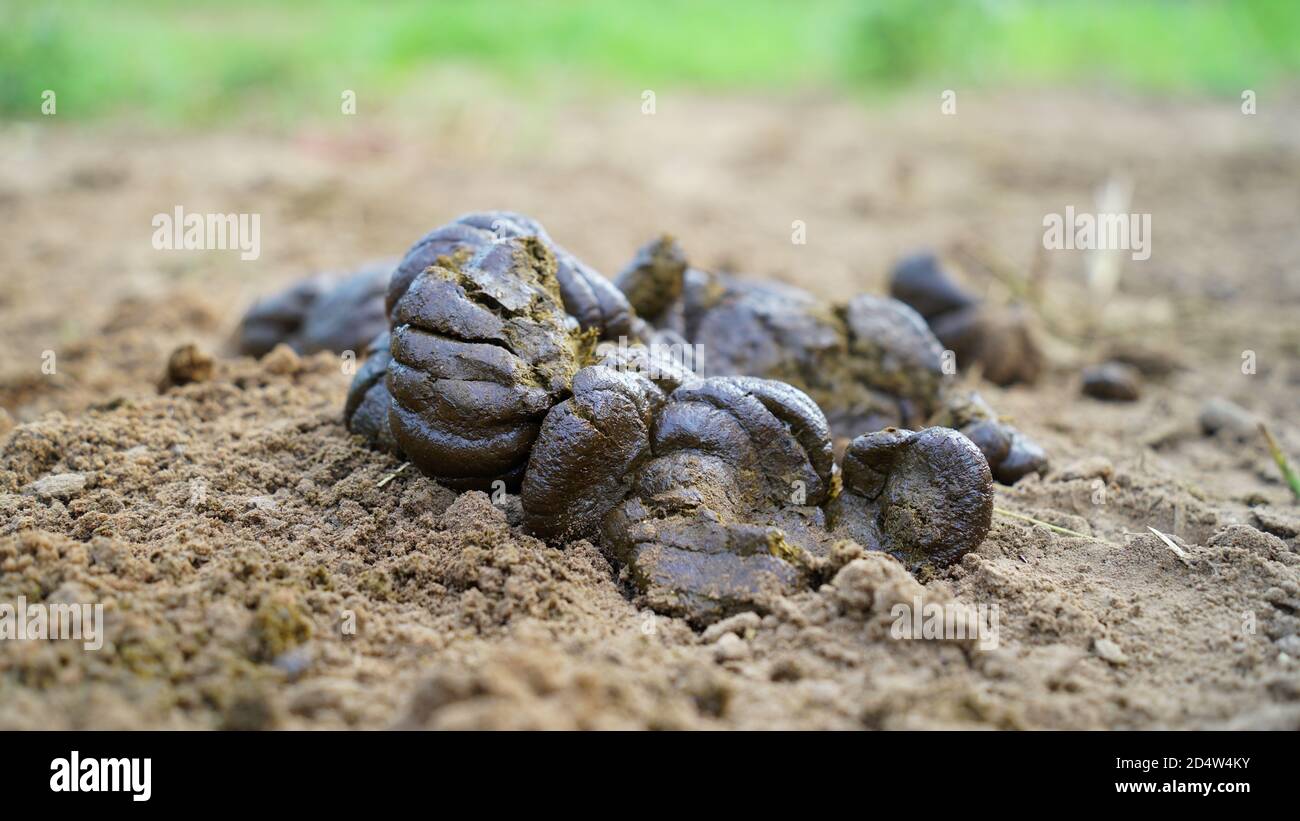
{"x": 1111, "y": 381}
{"x": 1109, "y": 651}
{"x": 1219, "y": 414}
{"x": 730, "y": 648}
{"x": 187, "y": 364}
{"x": 58, "y": 486}
{"x": 295, "y": 662}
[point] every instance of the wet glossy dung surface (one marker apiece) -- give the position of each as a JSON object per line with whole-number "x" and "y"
{"x": 997, "y": 339}
{"x": 480, "y": 352}
{"x": 321, "y": 313}
{"x": 1010, "y": 453}
{"x": 925, "y": 497}
{"x": 1112, "y": 381}
{"x": 712, "y": 482}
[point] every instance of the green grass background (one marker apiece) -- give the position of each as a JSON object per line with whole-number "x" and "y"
{"x": 202, "y": 60}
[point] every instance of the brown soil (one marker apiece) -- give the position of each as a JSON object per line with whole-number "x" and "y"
{"x": 234, "y": 532}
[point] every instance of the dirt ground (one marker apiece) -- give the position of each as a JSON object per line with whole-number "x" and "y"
{"x": 236, "y": 534}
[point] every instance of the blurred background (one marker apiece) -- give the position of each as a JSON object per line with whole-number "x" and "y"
{"x": 192, "y": 62}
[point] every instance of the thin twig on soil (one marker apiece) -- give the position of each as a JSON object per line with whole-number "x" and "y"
{"x": 1178, "y": 551}
{"x": 1282, "y": 464}
{"x": 390, "y": 477}
{"x": 1065, "y": 531}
